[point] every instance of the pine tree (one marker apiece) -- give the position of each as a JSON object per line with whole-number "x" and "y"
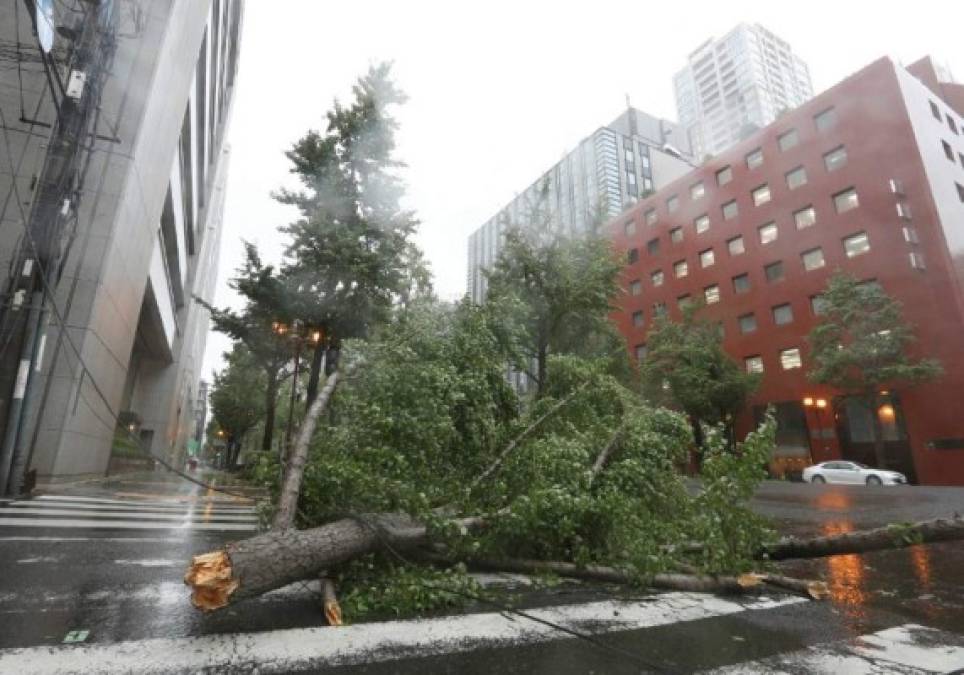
{"x": 351, "y": 259}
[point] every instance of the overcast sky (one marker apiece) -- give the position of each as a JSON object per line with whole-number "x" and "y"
{"x": 499, "y": 91}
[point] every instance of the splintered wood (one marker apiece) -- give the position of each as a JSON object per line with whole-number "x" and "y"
{"x": 210, "y": 578}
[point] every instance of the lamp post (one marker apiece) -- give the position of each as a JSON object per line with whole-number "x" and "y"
{"x": 818, "y": 404}
{"x": 299, "y": 333}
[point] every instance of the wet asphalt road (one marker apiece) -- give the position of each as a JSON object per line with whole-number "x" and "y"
{"x": 125, "y": 584}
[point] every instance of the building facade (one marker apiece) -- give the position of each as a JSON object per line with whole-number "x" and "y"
{"x": 867, "y": 178}
{"x": 607, "y": 172}
{"x": 737, "y": 84}
{"x": 139, "y": 125}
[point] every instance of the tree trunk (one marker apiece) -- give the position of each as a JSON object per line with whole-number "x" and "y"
{"x": 253, "y": 566}
{"x": 314, "y": 374}
{"x": 542, "y": 355}
{"x": 698, "y": 439}
{"x": 881, "y": 538}
{"x": 291, "y": 488}
{"x": 270, "y": 402}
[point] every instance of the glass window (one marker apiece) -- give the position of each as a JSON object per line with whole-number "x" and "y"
{"x": 659, "y": 309}
{"x": 741, "y": 283}
{"x": 711, "y": 294}
{"x": 788, "y": 140}
{"x": 826, "y": 119}
{"x": 657, "y": 278}
{"x": 846, "y": 200}
{"x": 735, "y": 245}
{"x": 797, "y": 178}
{"x": 935, "y": 111}
{"x": 917, "y": 260}
{"x": 835, "y": 159}
{"x": 754, "y": 364}
{"x": 632, "y": 255}
{"x": 630, "y": 228}
{"x": 747, "y": 323}
{"x": 683, "y": 301}
{"x": 768, "y": 233}
{"x": 730, "y": 210}
{"x": 680, "y": 269}
{"x": 856, "y": 244}
{"x": 782, "y": 314}
{"x": 805, "y": 217}
{"x": 724, "y": 175}
{"x": 754, "y": 159}
{"x": 706, "y": 258}
{"x": 635, "y": 287}
{"x": 818, "y": 304}
{"x": 813, "y": 259}
{"x": 676, "y": 235}
{"x": 790, "y": 358}
{"x": 652, "y": 246}
{"x": 960, "y": 190}
{"x": 640, "y": 352}
{"x": 638, "y": 319}
{"x": 948, "y": 151}
{"x": 672, "y": 203}
{"x": 650, "y": 217}
{"x": 702, "y": 224}
{"x": 697, "y": 190}
{"x": 761, "y": 195}
{"x": 774, "y": 271}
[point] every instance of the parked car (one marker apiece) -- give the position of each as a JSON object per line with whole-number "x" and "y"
{"x": 851, "y": 473}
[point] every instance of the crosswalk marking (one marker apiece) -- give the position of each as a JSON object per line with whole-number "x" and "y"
{"x": 66, "y": 511}
{"x": 304, "y": 648}
{"x": 176, "y": 503}
{"x": 906, "y": 649}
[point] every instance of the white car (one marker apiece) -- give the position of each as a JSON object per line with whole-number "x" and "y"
{"x": 851, "y": 473}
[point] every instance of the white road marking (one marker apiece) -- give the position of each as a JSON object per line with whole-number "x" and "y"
{"x": 123, "y": 524}
{"x": 154, "y": 502}
{"x": 131, "y": 506}
{"x": 153, "y": 515}
{"x": 149, "y": 562}
{"x": 40, "y": 559}
{"x": 300, "y": 648}
{"x": 907, "y": 649}
{"x": 124, "y": 540}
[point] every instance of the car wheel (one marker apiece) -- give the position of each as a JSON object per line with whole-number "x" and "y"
{"x": 818, "y": 479}
{"x": 874, "y": 480}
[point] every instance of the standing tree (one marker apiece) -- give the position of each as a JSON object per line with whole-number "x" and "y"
{"x": 237, "y": 397}
{"x": 685, "y": 366}
{"x": 351, "y": 258}
{"x": 860, "y": 346}
{"x": 554, "y": 293}
{"x": 267, "y": 303}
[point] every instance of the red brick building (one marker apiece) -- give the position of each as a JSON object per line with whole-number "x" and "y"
{"x": 867, "y": 177}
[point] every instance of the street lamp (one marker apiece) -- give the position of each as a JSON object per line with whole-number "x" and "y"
{"x": 817, "y": 404}
{"x": 299, "y": 333}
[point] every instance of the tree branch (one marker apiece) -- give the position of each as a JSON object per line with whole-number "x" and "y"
{"x": 494, "y": 466}
{"x": 605, "y": 453}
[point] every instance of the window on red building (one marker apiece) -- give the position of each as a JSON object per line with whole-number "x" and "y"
{"x": 768, "y": 233}
{"x": 826, "y": 119}
{"x": 741, "y": 283}
{"x": 754, "y": 364}
{"x": 790, "y": 359}
{"x": 805, "y": 217}
{"x": 812, "y": 259}
{"x": 788, "y": 140}
{"x": 846, "y": 200}
{"x": 735, "y": 245}
{"x": 856, "y": 244}
{"x": 747, "y": 323}
{"x": 782, "y": 314}
{"x": 774, "y": 271}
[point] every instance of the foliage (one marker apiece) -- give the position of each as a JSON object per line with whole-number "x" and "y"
{"x": 392, "y": 589}
{"x": 861, "y": 342}
{"x": 860, "y": 346}
{"x": 686, "y": 367}
{"x": 266, "y": 303}
{"x": 553, "y": 293}
{"x": 429, "y": 410}
{"x": 237, "y": 393}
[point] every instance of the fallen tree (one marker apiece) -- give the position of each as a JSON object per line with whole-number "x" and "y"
{"x": 583, "y": 482}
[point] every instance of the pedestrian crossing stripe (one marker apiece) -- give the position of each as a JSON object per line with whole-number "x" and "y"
{"x": 905, "y": 649}
{"x": 95, "y": 513}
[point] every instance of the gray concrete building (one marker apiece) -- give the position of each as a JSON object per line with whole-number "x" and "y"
{"x": 734, "y": 85}
{"x": 605, "y": 174}
{"x": 112, "y": 174}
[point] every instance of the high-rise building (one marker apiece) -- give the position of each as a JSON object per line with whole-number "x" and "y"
{"x": 755, "y": 233}
{"x": 737, "y": 84}
{"x": 606, "y": 173}
{"x": 112, "y": 174}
